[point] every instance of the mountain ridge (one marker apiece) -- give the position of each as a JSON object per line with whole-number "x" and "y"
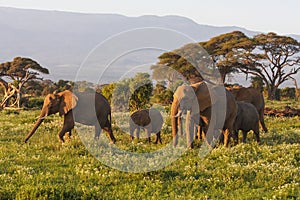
{"x": 58, "y": 38}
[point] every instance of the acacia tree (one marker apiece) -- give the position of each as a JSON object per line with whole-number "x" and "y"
{"x": 15, "y": 74}
{"x": 190, "y": 62}
{"x": 221, "y": 49}
{"x": 272, "y": 58}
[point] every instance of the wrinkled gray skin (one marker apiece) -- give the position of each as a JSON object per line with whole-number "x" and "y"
{"x": 247, "y": 119}
{"x": 88, "y": 108}
{"x": 253, "y": 96}
{"x": 150, "y": 120}
{"x": 195, "y": 101}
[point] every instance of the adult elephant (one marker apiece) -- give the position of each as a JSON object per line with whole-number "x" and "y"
{"x": 89, "y": 108}
{"x": 149, "y": 119}
{"x": 196, "y": 101}
{"x": 253, "y": 96}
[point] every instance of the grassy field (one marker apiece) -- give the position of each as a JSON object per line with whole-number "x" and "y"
{"x": 45, "y": 169}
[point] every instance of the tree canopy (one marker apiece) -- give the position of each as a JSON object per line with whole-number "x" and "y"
{"x": 223, "y": 48}
{"x": 13, "y": 76}
{"x": 190, "y": 63}
{"x": 273, "y": 58}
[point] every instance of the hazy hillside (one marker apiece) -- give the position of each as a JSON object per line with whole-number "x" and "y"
{"x": 61, "y": 40}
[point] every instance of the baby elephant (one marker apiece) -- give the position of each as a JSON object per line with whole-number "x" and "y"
{"x": 149, "y": 119}
{"x": 247, "y": 119}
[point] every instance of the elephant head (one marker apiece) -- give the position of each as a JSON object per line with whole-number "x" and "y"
{"x": 189, "y": 99}
{"x": 60, "y": 103}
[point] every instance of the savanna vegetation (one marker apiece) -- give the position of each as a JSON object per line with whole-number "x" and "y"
{"x": 45, "y": 169}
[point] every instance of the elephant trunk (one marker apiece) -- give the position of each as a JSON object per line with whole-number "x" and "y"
{"x": 37, "y": 124}
{"x": 189, "y": 129}
{"x": 174, "y": 120}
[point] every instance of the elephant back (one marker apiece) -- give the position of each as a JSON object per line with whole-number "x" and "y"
{"x": 148, "y": 117}
{"x": 141, "y": 117}
{"x": 247, "y": 116}
{"x": 90, "y": 107}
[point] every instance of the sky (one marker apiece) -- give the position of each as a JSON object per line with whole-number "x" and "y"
{"x": 280, "y": 16}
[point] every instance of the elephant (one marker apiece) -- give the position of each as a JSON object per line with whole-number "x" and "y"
{"x": 253, "y": 96}
{"x": 149, "y": 119}
{"x": 196, "y": 101}
{"x": 247, "y": 119}
{"x": 88, "y": 108}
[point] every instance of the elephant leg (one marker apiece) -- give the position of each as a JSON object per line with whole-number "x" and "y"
{"x": 67, "y": 127}
{"x": 63, "y": 131}
{"x": 107, "y": 128}
{"x": 180, "y": 126}
{"x": 148, "y": 134}
{"x": 175, "y": 124}
{"x": 235, "y": 134}
{"x": 69, "y": 134}
{"x": 97, "y": 131}
{"x": 244, "y": 137}
{"x": 137, "y": 132}
{"x": 226, "y": 133}
{"x": 256, "y": 133}
{"x": 235, "y": 137}
{"x": 131, "y": 132}
{"x": 199, "y": 132}
{"x": 189, "y": 130}
{"x": 262, "y": 121}
{"x": 158, "y": 138}
{"x": 196, "y": 131}
{"x": 110, "y": 134}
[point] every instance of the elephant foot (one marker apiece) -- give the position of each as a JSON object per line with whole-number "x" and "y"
{"x": 61, "y": 139}
{"x": 68, "y": 137}
{"x": 157, "y": 142}
{"x": 113, "y": 141}
{"x": 175, "y": 142}
{"x": 190, "y": 146}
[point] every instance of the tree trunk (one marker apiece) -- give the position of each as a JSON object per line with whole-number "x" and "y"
{"x": 297, "y": 93}
{"x": 272, "y": 93}
{"x": 9, "y": 93}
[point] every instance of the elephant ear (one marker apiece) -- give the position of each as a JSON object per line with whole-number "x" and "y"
{"x": 203, "y": 95}
{"x": 68, "y": 102}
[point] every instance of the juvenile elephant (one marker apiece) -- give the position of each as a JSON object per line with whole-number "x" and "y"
{"x": 247, "y": 119}
{"x": 89, "y": 108}
{"x": 149, "y": 119}
{"x": 196, "y": 101}
{"x": 253, "y": 96}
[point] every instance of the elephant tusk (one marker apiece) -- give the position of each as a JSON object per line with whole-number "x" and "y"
{"x": 179, "y": 114}
{"x": 42, "y": 118}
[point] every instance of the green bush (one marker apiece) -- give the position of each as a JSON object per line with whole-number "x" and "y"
{"x": 35, "y": 102}
{"x": 288, "y": 93}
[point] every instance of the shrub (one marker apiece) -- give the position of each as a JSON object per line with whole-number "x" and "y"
{"x": 35, "y": 102}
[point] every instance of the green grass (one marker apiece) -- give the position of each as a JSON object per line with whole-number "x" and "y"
{"x": 281, "y": 104}
{"x": 45, "y": 169}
